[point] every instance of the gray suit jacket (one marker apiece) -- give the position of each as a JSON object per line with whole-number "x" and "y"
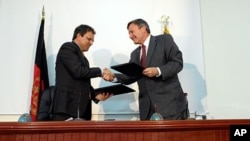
{"x": 164, "y": 91}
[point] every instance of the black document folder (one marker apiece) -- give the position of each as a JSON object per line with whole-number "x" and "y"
{"x": 130, "y": 69}
{"x": 114, "y": 89}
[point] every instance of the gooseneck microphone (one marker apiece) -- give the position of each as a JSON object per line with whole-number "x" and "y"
{"x": 78, "y": 108}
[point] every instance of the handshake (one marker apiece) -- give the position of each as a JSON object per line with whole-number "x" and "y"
{"x": 107, "y": 75}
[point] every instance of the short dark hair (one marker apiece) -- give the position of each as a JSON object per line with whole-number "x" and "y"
{"x": 83, "y": 29}
{"x": 140, "y": 23}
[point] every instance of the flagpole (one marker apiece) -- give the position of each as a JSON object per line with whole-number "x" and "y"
{"x": 43, "y": 14}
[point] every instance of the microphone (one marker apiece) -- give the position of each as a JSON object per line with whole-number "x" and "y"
{"x": 156, "y": 115}
{"x": 78, "y": 108}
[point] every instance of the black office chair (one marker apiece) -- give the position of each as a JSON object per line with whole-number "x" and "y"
{"x": 46, "y": 104}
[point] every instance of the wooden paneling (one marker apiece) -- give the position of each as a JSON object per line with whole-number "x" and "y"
{"x": 188, "y": 130}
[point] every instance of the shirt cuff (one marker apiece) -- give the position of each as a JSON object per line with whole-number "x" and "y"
{"x": 158, "y": 71}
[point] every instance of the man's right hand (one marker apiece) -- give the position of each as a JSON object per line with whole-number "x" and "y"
{"x": 108, "y": 75}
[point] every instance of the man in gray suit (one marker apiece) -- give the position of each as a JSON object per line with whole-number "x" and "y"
{"x": 159, "y": 86}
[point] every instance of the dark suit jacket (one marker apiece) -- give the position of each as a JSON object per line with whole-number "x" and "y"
{"x": 165, "y": 91}
{"x": 73, "y": 82}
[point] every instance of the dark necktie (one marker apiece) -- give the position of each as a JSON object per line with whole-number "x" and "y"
{"x": 143, "y": 56}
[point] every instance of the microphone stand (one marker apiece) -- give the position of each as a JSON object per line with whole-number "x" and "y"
{"x": 78, "y": 109}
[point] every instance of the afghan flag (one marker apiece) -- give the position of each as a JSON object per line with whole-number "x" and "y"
{"x": 41, "y": 78}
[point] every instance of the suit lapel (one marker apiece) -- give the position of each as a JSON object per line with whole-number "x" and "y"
{"x": 138, "y": 59}
{"x": 81, "y": 55}
{"x": 85, "y": 60}
{"x": 151, "y": 48}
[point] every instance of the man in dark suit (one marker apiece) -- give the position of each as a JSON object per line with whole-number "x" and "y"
{"x": 73, "y": 87}
{"x": 159, "y": 85}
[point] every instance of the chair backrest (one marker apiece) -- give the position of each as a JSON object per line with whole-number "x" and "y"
{"x": 46, "y": 104}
